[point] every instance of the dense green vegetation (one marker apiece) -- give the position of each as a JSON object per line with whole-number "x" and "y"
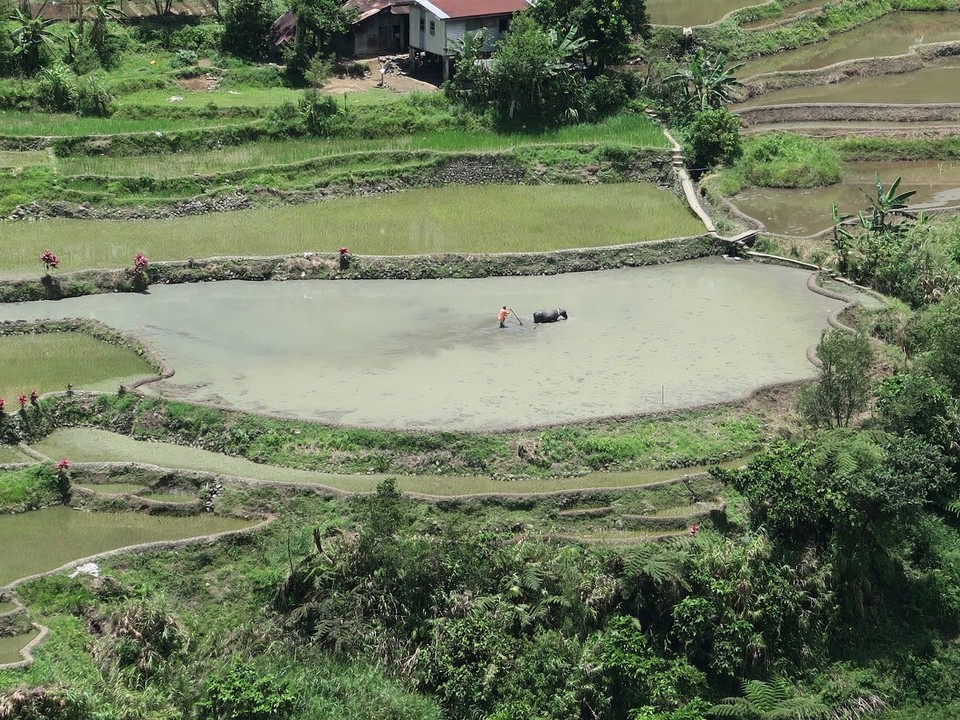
{"x": 780, "y": 160}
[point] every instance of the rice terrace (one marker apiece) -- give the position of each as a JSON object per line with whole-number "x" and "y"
{"x": 457, "y": 360}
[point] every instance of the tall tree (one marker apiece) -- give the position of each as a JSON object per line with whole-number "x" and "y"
{"x": 609, "y": 26}
{"x": 843, "y": 386}
{"x": 533, "y": 79}
{"x": 319, "y": 22}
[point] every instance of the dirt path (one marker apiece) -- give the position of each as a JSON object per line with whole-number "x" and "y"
{"x": 394, "y": 80}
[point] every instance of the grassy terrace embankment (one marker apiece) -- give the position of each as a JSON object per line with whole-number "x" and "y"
{"x": 670, "y": 441}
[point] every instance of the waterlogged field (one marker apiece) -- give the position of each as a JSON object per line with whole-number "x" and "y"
{"x": 10, "y": 646}
{"x": 807, "y": 211}
{"x": 484, "y": 219}
{"x": 90, "y": 445}
{"x": 932, "y": 84}
{"x": 12, "y": 454}
{"x": 429, "y": 354}
{"x": 43, "y": 540}
{"x": 48, "y": 361}
{"x": 637, "y": 130}
{"x": 890, "y": 35}
{"x": 693, "y": 12}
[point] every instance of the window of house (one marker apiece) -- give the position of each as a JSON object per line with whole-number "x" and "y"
{"x": 433, "y": 28}
{"x": 423, "y": 24}
{"x": 504, "y": 23}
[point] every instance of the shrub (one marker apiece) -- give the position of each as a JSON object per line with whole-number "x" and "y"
{"x": 714, "y": 137}
{"x": 57, "y": 89}
{"x": 94, "y": 98}
{"x": 245, "y": 693}
{"x": 789, "y": 161}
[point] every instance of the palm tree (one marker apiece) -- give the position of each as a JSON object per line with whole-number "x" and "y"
{"x": 30, "y": 36}
{"x": 770, "y": 701}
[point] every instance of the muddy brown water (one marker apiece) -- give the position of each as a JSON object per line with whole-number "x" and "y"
{"x": 692, "y": 12}
{"x": 429, "y": 354}
{"x": 804, "y": 212}
{"x": 42, "y": 540}
{"x": 892, "y": 34}
{"x": 936, "y": 83}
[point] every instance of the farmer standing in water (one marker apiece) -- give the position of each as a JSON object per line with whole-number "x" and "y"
{"x": 502, "y": 315}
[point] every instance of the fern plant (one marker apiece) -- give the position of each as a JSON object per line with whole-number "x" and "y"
{"x": 770, "y": 700}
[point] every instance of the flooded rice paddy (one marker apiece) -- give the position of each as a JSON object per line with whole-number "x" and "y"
{"x": 693, "y": 12}
{"x": 43, "y": 540}
{"x": 808, "y": 211}
{"x": 429, "y": 354}
{"x": 892, "y": 34}
{"x": 936, "y": 83}
{"x": 11, "y": 645}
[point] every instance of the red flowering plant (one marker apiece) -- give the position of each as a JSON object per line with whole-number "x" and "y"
{"x": 3, "y": 404}
{"x": 23, "y": 401}
{"x": 140, "y": 264}
{"x": 34, "y": 396}
{"x": 49, "y": 260}
{"x": 63, "y": 475}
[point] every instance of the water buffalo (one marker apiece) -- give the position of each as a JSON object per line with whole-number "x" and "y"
{"x": 549, "y": 316}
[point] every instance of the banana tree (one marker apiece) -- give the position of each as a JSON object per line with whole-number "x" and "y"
{"x": 705, "y": 81}
{"x": 30, "y": 37}
{"x": 101, "y": 12}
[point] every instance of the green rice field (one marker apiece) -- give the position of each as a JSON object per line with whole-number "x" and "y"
{"x": 89, "y": 445}
{"x": 636, "y": 130}
{"x": 476, "y": 219}
{"x": 63, "y": 125}
{"x": 48, "y": 361}
{"x": 23, "y": 158}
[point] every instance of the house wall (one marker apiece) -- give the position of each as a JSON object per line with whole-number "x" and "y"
{"x": 382, "y": 33}
{"x": 424, "y": 39}
{"x": 445, "y": 31}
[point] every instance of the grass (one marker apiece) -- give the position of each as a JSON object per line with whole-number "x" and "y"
{"x": 260, "y": 99}
{"x": 90, "y": 445}
{"x": 635, "y": 130}
{"x": 478, "y": 219}
{"x": 28, "y": 487}
{"x": 48, "y": 361}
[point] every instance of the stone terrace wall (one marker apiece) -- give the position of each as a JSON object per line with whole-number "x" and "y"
{"x": 853, "y": 112}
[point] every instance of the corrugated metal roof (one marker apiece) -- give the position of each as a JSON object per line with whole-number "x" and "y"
{"x": 366, "y": 8}
{"x": 446, "y": 9}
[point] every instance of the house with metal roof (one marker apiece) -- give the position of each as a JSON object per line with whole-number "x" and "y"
{"x": 381, "y": 27}
{"x": 434, "y": 24}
